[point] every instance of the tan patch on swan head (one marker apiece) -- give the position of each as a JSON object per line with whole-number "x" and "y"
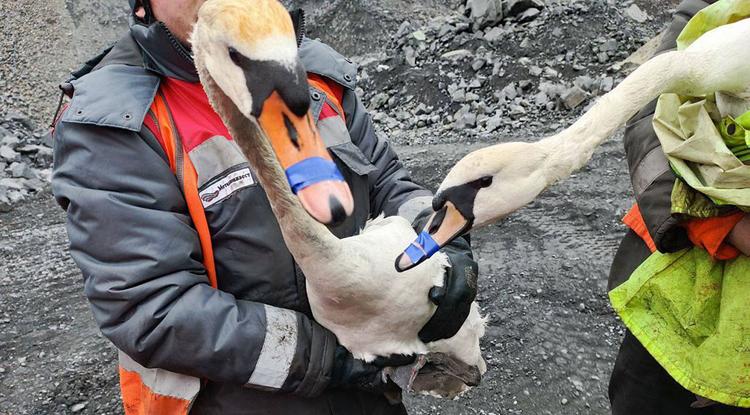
{"x": 259, "y": 29}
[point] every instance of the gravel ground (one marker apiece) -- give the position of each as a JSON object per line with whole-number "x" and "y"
{"x": 552, "y": 336}
{"x": 42, "y": 40}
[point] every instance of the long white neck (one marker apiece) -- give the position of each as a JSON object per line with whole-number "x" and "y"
{"x": 569, "y": 150}
{"x": 306, "y": 238}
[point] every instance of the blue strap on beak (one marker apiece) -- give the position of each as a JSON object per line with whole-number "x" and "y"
{"x": 310, "y": 171}
{"x": 424, "y": 247}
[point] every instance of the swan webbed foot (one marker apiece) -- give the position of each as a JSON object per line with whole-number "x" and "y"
{"x": 435, "y": 374}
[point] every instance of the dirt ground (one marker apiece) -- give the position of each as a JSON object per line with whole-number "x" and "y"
{"x": 552, "y": 336}
{"x": 550, "y": 342}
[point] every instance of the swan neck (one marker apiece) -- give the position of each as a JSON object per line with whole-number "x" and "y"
{"x": 572, "y": 148}
{"x": 304, "y": 236}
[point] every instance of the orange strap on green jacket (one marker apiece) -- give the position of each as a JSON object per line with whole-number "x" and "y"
{"x": 709, "y": 234}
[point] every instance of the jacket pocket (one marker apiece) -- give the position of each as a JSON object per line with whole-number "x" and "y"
{"x": 335, "y": 136}
{"x": 214, "y": 157}
{"x": 353, "y": 158}
{"x": 354, "y": 165}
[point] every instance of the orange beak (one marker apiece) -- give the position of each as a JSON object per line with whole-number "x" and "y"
{"x": 444, "y": 226}
{"x": 312, "y": 174}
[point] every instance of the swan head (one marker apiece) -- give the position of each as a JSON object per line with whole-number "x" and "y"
{"x": 485, "y": 186}
{"x": 246, "y": 56}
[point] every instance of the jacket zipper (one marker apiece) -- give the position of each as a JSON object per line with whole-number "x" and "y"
{"x": 177, "y": 44}
{"x": 300, "y": 21}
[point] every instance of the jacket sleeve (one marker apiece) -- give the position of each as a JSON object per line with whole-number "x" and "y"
{"x": 711, "y": 234}
{"x": 392, "y": 191}
{"x": 650, "y": 173}
{"x": 143, "y": 276}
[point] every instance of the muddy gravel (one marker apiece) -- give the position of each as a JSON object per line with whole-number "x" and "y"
{"x": 551, "y": 337}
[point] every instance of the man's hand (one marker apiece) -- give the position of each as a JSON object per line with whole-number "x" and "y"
{"x": 459, "y": 289}
{"x": 351, "y": 373}
{"x": 739, "y": 237}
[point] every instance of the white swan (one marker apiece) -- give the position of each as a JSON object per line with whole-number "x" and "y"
{"x": 246, "y": 55}
{"x": 491, "y": 183}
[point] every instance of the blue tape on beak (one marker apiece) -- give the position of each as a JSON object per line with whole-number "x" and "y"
{"x": 423, "y": 248}
{"x": 310, "y": 171}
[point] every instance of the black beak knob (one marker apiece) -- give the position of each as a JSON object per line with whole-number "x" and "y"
{"x": 438, "y": 201}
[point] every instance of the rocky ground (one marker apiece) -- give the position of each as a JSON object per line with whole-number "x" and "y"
{"x": 440, "y": 79}
{"x": 41, "y": 42}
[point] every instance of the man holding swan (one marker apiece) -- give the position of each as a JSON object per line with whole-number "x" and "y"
{"x": 250, "y": 346}
{"x": 220, "y": 189}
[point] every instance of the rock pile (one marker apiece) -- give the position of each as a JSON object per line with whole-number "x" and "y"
{"x": 25, "y": 160}
{"x": 491, "y": 12}
{"x": 495, "y": 66}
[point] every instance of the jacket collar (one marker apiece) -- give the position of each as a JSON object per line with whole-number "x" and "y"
{"x": 162, "y": 52}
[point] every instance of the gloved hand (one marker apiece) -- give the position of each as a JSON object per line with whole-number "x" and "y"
{"x": 351, "y": 373}
{"x": 459, "y": 289}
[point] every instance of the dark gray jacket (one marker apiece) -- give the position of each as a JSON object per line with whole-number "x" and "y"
{"x": 651, "y": 175}
{"x": 132, "y": 237}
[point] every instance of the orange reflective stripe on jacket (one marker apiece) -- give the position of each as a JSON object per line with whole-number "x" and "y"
{"x": 173, "y": 147}
{"x": 195, "y": 207}
{"x": 138, "y": 399}
{"x": 165, "y": 126}
{"x": 634, "y": 220}
{"x": 155, "y": 391}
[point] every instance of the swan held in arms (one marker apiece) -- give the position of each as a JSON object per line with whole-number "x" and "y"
{"x": 491, "y": 183}
{"x": 246, "y": 55}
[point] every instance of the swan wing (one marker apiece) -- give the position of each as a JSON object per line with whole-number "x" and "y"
{"x": 373, "y": 309}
